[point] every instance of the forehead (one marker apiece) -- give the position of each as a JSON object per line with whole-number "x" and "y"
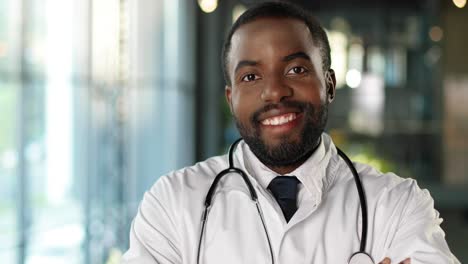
{"x": 272, "y": 25}
{"x": 270, "y": 37}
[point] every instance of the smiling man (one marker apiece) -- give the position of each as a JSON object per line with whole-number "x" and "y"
{"x": 307, "y": 207}
{"x": 278, "y": 90}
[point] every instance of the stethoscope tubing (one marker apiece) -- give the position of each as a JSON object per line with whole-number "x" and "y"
{"x": 254, "y": 197}
{"x": 362, "y": 199}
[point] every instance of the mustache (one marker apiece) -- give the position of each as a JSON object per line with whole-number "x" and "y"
{"x": 301, "y": 106}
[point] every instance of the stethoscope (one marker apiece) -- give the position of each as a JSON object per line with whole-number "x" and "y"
{"x": 359, "y": 257}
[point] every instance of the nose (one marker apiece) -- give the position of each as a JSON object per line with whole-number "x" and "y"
{"x": 276, "y": 90}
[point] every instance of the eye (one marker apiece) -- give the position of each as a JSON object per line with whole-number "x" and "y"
{"x": 250, "y": 77}
{"x": 297, "y": 70}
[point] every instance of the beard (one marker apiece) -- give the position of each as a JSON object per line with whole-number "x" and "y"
{"x": 287, "y": 152}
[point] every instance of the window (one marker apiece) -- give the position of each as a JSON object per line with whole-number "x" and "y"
{"x": 95, "y": 99}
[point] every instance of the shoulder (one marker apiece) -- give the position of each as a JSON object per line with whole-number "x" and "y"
{"x": 386, "y": 181}
{"x": 391, "y": 190}
{"x": 160, "y": 223}
{"x": 378, "y": 186}
{"x": 194, "y": 177}
{"x": 180, "y": 191}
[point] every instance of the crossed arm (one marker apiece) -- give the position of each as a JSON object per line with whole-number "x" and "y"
{"x": 154, "y": 235}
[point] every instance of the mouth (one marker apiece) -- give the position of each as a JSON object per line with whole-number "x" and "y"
{"x": 281, "y": 124}
{"x": 279, "y": 119}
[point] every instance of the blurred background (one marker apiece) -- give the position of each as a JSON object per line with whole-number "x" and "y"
{"x": 100, "y": 98}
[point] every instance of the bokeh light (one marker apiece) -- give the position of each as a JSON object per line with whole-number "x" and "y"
{"x": 459, "y": 3}
{"x": 436, "y": 33}
{"x": 353, "y": 78}
{"x": 208, "y": 6}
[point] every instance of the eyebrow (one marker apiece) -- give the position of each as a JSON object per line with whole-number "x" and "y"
{"x": 296, "y": 55}
{"x": 244, "y": 63}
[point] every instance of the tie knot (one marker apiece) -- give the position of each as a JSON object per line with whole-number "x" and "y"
{"x": 284, "y": 187}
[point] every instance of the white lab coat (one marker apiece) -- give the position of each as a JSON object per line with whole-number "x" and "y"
{"x": 325, "y": 229}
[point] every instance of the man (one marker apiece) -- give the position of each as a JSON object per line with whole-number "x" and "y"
{"x": 279, "y": 84}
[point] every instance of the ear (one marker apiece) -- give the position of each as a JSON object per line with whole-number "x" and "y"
{"x": 330, "y": 82}
{"x": 228, "y": 94}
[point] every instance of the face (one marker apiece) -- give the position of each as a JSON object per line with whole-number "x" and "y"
{"x": 279, "y": 93}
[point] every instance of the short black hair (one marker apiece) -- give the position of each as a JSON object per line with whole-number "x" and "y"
{"x": 279, "y": 10}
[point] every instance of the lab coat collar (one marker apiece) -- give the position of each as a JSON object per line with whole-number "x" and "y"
{"x": 312, "y": 173}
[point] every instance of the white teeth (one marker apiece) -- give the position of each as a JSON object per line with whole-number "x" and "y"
{"x": 283, "y": 119}
{"x": 279, "y": 120}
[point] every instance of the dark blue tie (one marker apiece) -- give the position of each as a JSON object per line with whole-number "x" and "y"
{"x": 284, "y": 189}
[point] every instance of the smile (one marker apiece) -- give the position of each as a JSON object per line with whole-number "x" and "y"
{"x": 279, "y": 120}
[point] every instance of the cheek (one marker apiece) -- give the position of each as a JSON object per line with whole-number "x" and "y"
{"x": 235, "y": 103}
{"x": 311, "y": 91}
{"x": 239, "y": 108}
{"x": 323, "y": 96}
{"x": 243, "y": 103}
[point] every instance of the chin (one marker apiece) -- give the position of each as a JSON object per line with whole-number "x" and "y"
{"x": 272, "y": 142}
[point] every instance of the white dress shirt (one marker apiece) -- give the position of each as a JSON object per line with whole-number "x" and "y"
{"x": 326, "y": 228}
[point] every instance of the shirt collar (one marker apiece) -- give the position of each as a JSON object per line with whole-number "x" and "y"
{"x": 311, "y": 173}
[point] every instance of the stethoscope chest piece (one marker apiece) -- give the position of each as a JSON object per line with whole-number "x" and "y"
{"x": 360, "y": 258}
